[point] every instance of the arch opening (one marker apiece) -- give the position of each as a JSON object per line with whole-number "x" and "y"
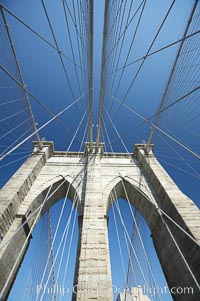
{"x": 137, "y": 207}
{"x": 49, "y": 262}
{"x": 53, "y": 193}
{"x": 37, "y": 205}
{"x": 134, "y": 263}
{"x": 170, "y": 255}
{"x": 136, "y": 196}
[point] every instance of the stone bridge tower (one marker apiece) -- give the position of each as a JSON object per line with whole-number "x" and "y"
{"x": 95, "y": 179}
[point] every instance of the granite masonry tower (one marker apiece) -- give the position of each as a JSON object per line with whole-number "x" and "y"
{"x": 94, "y": 180}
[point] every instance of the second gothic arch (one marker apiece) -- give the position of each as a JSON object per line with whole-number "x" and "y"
{"x": 125, "y": 188}
{"x": 35, "y": 185}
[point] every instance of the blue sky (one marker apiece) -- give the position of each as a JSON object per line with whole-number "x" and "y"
{"x": 45, "y": 79}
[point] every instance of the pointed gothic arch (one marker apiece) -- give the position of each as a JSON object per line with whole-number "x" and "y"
{"x": 148, "y": 188}
{"x": 125, "y": 188}
{"x": 172, "y": 246}
{"x": 48, "y": 193}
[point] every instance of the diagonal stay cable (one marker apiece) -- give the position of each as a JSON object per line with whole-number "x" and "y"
{"x": 35, "y": 32}
{"x": 62, "y": 176}
{"x": 79, "y": 40}
{"x": 117, "y": 53}
{"x": 115, "y": 34}
{"x": 66, "y": 261}
{"x": 12, "y": 101}
{"x": 158, "y": 208}
{"x": 147, "y": 120}
{"x": 63, "y": 237}
{"x": 151, "y": 200}
{"x": 162, "y": 110}
{"x": 50, "y": 238}
{"x": 119, "y": 243}
{"x": 156, "y": 51}
{"x": 12, "y": 115}
{"x": 178, "y": 168}
{"x": 116, "y": 227}
{"x": 172, "y": 71}
{"x": 41, "y": 127}
{"x": 124, "y": 34}
{"x": 57, "y": 47}
{"x": 84, "y": 16}
{"x": 75, "y": 22}
{"x": 69, "y": 252}
{"x": 14, "y": 161}
{"x": 180, "y": 157}
{"x": 144, "y": 58}
{"x": 126, "y": 27}
{"x": 118, "y": 12}
{"x": 114, "y": 197}
{"x": 54, "y": 238}
{"x": 83, "y": 45}
{"x": 24, "y": 245}
{"x": 177, "y": 142}
{"x": 36, "y": 99}
{"x": 68, "y": 255}
{"x": 131, "y": 270}
{"x": 7, "y": 147}
{"x": 16, "y": 127}
{"x": 71, "y": 46}
{"x": 130, "y": 47}
{"x": 32, "y": 214}
{"x": 140, "y": 236}
{"x": 75, "y": 201}
{"x": 176, "y": 244}
{"x": 178, "y": 248}
{"x": 20, "y": 73}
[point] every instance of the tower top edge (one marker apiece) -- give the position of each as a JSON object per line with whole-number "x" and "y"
{"x": 95, "y": 150}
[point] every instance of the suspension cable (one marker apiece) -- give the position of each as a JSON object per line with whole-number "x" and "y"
{"x": 40, "y": 128}
{"x": 101, "y": 97}
{"x": 172, "y": 72}
{"x": 20, "y": 75}
{"x": 36, "y": 99}
{"x": 35, "y": 32}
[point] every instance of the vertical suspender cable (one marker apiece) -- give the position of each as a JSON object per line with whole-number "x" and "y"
{"x": 51, "y": 251}
{"x": 101, "y": 95}
{"x": 20, "y": 75}
{"x": 91, "y": 71}
{"x": 171, "y": 73}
